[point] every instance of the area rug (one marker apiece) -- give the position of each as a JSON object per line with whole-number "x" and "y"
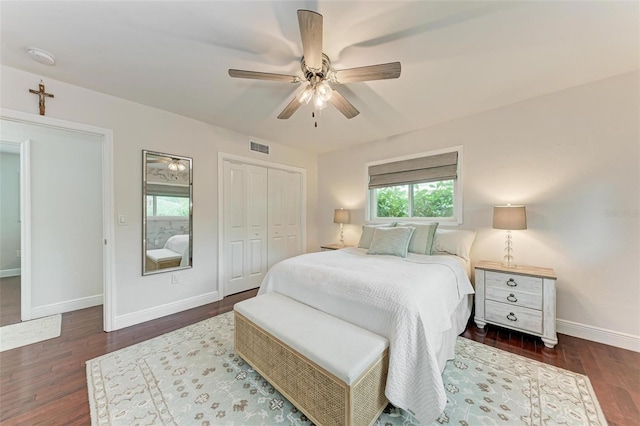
{"x": 28, "y": 332}
{"x": 193, "y": 377}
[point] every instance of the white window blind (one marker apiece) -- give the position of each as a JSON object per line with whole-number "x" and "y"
{"x": 159, "y": 189}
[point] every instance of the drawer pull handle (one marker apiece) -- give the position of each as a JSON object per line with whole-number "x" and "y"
{"x": 512, "y": 317}
{"x": 512, "y": 283}
{"x": 512, "y": 298}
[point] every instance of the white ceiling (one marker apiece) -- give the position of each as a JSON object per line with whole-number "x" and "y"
{"x": 458, "y": 58}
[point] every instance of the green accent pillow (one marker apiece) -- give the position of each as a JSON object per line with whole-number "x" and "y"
{"x": 367, "y": 233}
{"x": 391, "y": 241}
{"x": 423, "y": 236}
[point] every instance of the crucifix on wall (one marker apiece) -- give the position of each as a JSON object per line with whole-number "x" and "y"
{"x": 42, "y": 94}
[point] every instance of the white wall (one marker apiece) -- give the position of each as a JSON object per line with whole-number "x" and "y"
{"x": 9, "y": 213}
{"x": 137, "y": 127}
{"x": 573, "y": 158}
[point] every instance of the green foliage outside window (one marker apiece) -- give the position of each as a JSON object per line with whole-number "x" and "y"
{"x": 393, "y": 201}
{"x": 433, "y": 199}
{"x": 167, "y": 206}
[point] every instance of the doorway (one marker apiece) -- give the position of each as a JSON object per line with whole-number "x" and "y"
{"x": 61, "y": 226}
{"x": 13, "y": 190}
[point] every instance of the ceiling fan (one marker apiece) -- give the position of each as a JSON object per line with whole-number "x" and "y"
{"x": 173, "y": 164}
{"x": 317, "y": 71}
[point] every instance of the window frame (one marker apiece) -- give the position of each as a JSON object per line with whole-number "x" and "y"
{"x": 371, "y": 199}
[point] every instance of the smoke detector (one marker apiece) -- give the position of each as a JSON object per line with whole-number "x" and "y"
{"x": 41, "y": 56}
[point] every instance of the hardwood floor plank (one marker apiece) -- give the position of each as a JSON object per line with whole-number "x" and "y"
{"x": 45, "y": 383}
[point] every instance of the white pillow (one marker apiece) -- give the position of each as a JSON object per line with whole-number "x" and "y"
{"x": 454, "y": 241}
{"x": 391, "y": 241}
{"x": 367, "y": 233}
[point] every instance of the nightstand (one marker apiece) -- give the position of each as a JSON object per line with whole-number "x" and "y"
{"x": 332, "y": 247}
{"x": 520, "y": 298}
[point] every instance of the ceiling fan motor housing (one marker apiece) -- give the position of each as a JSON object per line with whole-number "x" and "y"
{"x": 310, "y": 73}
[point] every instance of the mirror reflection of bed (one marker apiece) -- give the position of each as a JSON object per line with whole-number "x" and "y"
{"x": 174, "y": 254}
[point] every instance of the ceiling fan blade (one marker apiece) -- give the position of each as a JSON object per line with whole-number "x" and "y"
{"x": 255, "y": 75}
{"x": 158, "y": 160}
{"x": 368, "y": 73}
{"x": 290, "y": 109}
{"x": 343, "y": 105}
{"x": 311, "y": 35}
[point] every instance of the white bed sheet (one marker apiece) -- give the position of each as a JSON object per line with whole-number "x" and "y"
{"x": 418, "y": 303}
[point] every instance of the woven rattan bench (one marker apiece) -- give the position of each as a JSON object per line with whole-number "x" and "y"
{"x": 331, "y": 370}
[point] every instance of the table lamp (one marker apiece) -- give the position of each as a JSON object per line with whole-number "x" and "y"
{"x": 510, "y": 218}
{"x": 341, "y": 216}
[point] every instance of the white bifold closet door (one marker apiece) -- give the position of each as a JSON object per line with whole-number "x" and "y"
{"x": 284, "y": 215}
{"x": 261, "y": 222}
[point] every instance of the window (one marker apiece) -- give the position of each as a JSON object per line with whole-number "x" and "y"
{"x": 159, "y": 205}
{"x": 422, "y": 187}
{"x": 167, "y": 200}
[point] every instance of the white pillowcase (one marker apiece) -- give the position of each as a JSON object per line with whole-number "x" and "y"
{"x": 391, "y": 241}
{"x": 454, "y": 241}
{"x": 367, "y": 233}
{"x": 423, "y": 236}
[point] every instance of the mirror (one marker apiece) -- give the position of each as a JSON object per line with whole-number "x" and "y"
{"x": 167, "y": 220}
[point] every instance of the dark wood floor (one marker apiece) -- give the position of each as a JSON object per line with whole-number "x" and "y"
{"x": 45, "y": 383}
{"x": 9, "y": 300}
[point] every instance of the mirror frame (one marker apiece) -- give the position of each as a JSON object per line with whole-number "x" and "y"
{"x": 145, "y": 155}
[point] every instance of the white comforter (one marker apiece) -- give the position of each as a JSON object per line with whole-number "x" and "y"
{"x": 179, "y": 244}
{"x": 409, "y": 301}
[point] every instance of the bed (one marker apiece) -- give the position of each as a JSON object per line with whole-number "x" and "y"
{"x": 420, "y": 303}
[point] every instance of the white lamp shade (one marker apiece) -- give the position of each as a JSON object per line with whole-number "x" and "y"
{"x": 511, "y": 218}
{"x": 341, "y": 216}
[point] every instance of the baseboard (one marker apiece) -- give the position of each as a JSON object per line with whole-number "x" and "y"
{"x": 66, "y": 306}
{"x": 145, "y": 315}
{"x": 600, "y": 335}
{"x": 6, "y": 273}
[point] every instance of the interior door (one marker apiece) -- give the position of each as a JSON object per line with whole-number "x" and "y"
{"x": 284, "y": 215}
{"x": 257, "y": 245}
{"x": 245, "y": 226}
{"x": 293, "y": 202}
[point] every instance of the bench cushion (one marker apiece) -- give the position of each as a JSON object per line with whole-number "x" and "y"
{"x": 339, "y": 347}
{"x": 159, "y": 255}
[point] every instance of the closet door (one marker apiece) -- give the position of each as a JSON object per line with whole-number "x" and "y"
{"x": 284, "y": 215}
{"x": 245, "y": 226}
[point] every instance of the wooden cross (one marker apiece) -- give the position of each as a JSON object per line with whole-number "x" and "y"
{"x": 41, "y": 92}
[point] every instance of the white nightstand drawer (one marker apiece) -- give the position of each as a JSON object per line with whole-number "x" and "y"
{"x": 514, "y": 297}
{"x": 517, "y": 282}
{"x": 514, "y": 316}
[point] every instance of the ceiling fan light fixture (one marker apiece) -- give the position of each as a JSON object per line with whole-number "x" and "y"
{"x": 318, "y": 102}
{"x": 306, "y": 95}
{"x": 324, "y": 91}
{"x": 176, "y": 166}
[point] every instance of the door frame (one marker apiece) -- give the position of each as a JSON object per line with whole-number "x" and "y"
{"x": 108, "y": 213}
{"x": 222, "y": 156}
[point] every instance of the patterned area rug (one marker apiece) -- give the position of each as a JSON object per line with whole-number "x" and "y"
{"x": 192, "y": 376}
{"x": 28, "y": 332}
